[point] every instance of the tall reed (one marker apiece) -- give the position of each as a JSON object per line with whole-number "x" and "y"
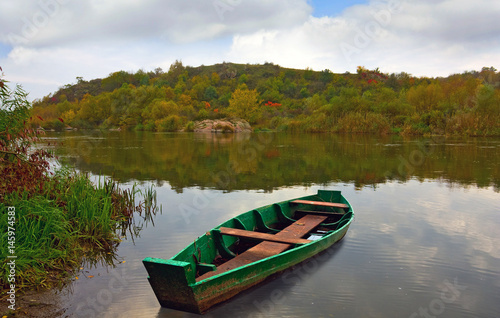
{"x": 73, "y": 217}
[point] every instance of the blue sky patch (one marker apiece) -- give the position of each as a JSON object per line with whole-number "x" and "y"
{"x": 332, "y": 8}
{"x": 4, "y": 50}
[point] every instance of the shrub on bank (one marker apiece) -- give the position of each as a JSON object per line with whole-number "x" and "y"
{"x": 363, "y": 123}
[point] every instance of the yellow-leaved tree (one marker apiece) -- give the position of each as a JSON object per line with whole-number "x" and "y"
{"x": 245, "y": 104}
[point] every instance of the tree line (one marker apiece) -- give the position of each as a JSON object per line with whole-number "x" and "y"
{"x": 276, "y": 98}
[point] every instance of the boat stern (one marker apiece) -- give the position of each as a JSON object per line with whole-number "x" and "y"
{"x": 171, "y": 280}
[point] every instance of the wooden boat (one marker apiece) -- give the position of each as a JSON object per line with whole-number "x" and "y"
{"x": 247, "y": 249}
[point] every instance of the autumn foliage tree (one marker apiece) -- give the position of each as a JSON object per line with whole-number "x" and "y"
{"x": 245, "y": 104}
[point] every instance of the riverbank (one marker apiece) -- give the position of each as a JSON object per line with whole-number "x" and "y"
{"x": 54, "y": 230}
{"x": 40, "y": 304}
{"x": 50, "y": 220}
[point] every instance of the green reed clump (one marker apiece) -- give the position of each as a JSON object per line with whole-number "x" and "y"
{"x": 56, "y": 228}
{"x": 89, "y": 209}
{"x": 44, "y": 241}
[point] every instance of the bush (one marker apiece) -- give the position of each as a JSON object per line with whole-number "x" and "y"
{"x": 472, "y": 124}
{"x": 54, "y": 124}
{"x": 434, "y": 119}
{"x": 363, "y": 123}
{"x": 149, "y": 126}
{"x": 202, "y": 114}
{"x": 400, "y": 120}
{"x": 277, "y": 121}
{"x": 415, "y": 128}
{"x": 170, "y": 123}
{"x": 486, "y": 101}
{"x": 189, "y": 126}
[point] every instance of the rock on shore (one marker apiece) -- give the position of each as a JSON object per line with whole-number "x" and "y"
{"x": 222, "y": 125}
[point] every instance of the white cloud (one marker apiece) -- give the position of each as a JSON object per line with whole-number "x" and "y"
{"x": 57, "y": 21}
{"x": 423, "y": 38}
{"x": 56, "y": 40}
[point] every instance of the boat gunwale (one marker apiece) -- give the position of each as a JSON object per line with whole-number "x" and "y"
{"x": 296, "y": 247}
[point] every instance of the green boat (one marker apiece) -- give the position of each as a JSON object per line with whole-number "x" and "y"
{"x": 247, "y": 249}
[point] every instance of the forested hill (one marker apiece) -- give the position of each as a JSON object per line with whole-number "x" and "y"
{"x": 272, "y": 97}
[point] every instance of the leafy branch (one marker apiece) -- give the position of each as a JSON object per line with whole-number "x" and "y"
{"x": 30, "y": 169}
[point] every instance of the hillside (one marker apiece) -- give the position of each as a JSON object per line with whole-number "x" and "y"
{"x": 272, "y": 97}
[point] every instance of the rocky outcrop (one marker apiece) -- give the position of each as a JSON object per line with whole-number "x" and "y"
{"x": 222, "y": 125}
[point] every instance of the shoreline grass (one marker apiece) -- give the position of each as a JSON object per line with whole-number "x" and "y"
{"x": 57, "y": 228}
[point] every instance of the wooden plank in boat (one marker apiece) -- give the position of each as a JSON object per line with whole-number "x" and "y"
{"x": 261, "y": 236}
{"x": 319, "y": 212}
{"x": 266, "y": 249}
{"x": 321, "y": 203}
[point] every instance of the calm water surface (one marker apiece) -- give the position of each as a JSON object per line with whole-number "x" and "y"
{"x": 424, "y": 242}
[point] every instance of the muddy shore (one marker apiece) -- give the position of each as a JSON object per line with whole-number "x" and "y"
{"x": 39, "y": 304}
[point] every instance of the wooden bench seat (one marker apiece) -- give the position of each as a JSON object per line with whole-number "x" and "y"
{"x": 319, "y": 212}
{"x": 261, "y": 236}
{"x": 266, "y": 249}
{"x": 321, "y": 203}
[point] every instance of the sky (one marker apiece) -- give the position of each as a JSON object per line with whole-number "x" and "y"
{"x": 46, "y": 44}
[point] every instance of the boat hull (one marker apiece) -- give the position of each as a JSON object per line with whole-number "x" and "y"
{"x": 176, "y": 287}
{"x": 210, "y": 294}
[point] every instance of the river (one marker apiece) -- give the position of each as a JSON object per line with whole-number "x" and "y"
{"x": 424, "y": 242}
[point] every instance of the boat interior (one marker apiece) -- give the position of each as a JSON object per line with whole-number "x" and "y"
{"x": 265, "y": 232}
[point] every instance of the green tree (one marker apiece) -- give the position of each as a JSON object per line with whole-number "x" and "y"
{"x": 304, "y": 92}
{"x": 175, "y": 70}
{"x": 115, "y": 80}
{"x": 245, "y": 104}
{"x": 210, "y": 93}
{"x": 159, "y": 109}
{"x": 326, "y": 76}
{"x": 425, "y": 97}
{"x": 486, "y": 101}
{"x": 308, "y": 74}
{"x": 88, "y": 109}
{"x": 179, "y": 87}
{"x": 243, "y": 79}
{"x": 141, "y": 78}
{"x": 170, "y": 123}
{"x": 315, "y": 102}
{"x": 214, "y": 78}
